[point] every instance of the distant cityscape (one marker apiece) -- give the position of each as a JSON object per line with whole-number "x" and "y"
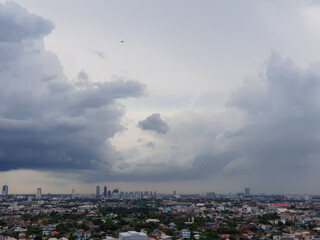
{"x": 116, "y": 194}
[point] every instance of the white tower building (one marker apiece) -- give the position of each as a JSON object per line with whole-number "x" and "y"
{"x": 39, "y": 192}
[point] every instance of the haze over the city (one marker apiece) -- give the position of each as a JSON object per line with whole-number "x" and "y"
{"x": 193, "y": 96}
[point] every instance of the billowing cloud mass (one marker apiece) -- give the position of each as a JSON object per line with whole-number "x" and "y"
{"x": 266, "y": 134}
{"x": 280, "y": 137}
{"x": 47, "y": 122}
{"x": 154, "y": 123}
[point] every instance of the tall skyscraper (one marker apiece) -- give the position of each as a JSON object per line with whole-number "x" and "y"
{"x": 73, "y": 192}
{"x": 211, "y": 195}
{"x": 39, "y": 192}
{"x": 105, "y": 192}
{"x": 5, "y": 190}
{"x": 97, "y": 191}
{"x": 247, "y": 191}
{"x": 115, "y": 194}
{"x": 174, "y": 192}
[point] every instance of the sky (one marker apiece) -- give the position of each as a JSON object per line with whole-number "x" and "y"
{"x": 185, "y": 95}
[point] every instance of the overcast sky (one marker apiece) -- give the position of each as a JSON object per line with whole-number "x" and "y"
{"x": 204, "y": 95}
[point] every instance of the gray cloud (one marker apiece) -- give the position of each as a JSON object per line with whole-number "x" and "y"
{"x": 282, "y": 111}
{"x": 154, "y": 123}
{"x": 83, "y": 76}
{"x": 149, "y": 144}
{"x": 267, "y": 135}
{"x": 275, "y": 137}
{"x": 100, "y": 54}
{"x": 46, "y": 122}
{"x": 17, "y": 24}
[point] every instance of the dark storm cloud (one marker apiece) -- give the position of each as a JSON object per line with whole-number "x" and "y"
{"x": 46, "y": 122}
{"x": 203, "y": 167}
{"x": 154, "y": 123}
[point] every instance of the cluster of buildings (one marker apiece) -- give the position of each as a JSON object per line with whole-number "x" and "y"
{"x": 116, "y": 194}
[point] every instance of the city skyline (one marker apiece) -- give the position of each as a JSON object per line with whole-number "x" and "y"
{"x": 98, "y": 194}
{"x": 167, "y": 96}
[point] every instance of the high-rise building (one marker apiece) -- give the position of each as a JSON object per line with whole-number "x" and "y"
{"x": 115, "y": 194}
{"x": 39, "y": 192}
{"x": 211, "y": 195}
{"x": 105, "y": 192}
{"x": 97, "y": 191}
{"x": 174, "y": 192}
{"x": 247, "y": 191}
{"x": 73, "y": 192}
{"x": 5, "y": 190}
{"x": 240, "y": 195}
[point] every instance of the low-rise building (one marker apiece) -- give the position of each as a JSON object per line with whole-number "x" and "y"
{"x": 133, "y": 235}
{"x": 185, "y": 233}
